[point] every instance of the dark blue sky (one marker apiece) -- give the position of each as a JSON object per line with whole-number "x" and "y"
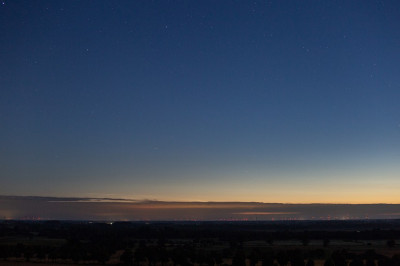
{"x": 294, "y": 101}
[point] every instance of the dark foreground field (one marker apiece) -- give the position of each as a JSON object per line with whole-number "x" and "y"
{"x": 291, "y": 243}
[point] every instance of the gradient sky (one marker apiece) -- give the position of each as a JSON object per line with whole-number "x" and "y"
{"x": 269, "y": 101}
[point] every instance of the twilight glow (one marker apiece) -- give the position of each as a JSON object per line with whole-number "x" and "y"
{"x": 223, "y": 101}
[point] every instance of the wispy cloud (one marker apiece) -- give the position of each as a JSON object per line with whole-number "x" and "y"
{"x": 64, "y": 208}
{"x": 265, "y": 213}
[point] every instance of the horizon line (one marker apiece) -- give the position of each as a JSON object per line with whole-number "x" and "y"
{"x": 84, "y": 199}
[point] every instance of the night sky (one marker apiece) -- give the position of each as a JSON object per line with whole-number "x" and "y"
{"x": 267, "y": 101}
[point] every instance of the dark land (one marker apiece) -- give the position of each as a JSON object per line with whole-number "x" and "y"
{"x": 272, "y": 243}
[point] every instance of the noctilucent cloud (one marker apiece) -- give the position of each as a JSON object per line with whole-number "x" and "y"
{"x": 267, "y": 101}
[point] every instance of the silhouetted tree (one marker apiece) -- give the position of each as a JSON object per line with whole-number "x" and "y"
{"x": 28, "y": 253}
{"x": 19, "y": 250}
{"x": 395, "y": 261}
{"x": 357, "y": 262}
{"x": 53, "y": 255}
{"x": 384, "y": 262}
{"x": 163, "y": 255}
{"x": 180, "y": 257}
{"x": 139, "y": 255}
{"x": 200, "y": 257}
{"x": 101, "y": 255}
{"x": 370, "y": 262}
{"x": 40, "y": 253}
{"x": 329, "y": 262}
{"x": 296, "y": 258}
{"x": 339, "y": 258}
{"x": 152, "y": 255}
{"x": 282, "y": 258}
{"x": 5, "y": 252}
{"x": 310, "y": 262}
{"x": 268, "y": 258}
{"x": 209, "y": 261}
{"x": 239, "y": 259}
{"x": 254, "y": 257}
{"x": 127, "y": 257}
{"x": 217, "y": 257}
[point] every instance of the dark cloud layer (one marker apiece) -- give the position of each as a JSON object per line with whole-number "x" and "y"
{"x": 18, "y": 207}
